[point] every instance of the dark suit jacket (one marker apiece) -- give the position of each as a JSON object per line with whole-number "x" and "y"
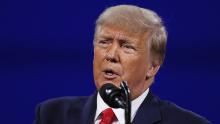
{"x": 81, "y": 110}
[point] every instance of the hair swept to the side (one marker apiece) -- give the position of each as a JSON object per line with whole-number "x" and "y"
{"x": 138, "y": 20}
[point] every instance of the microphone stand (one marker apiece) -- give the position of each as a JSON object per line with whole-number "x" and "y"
{"x": 125, "y": 89}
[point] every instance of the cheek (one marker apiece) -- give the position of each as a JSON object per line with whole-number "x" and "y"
{"x": 97, "y": 60}
{"x": 128, "y": 65}
{"x": 97, "y": 55}
{"x": 97, "y": 65}
{"x": 135, "y": 69}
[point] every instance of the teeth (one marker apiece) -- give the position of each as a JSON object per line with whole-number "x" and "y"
{"x": 109, "y": 73}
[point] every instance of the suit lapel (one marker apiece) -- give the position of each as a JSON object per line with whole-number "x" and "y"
{"x": 89, "y": 110}
{"x": 149, "y": 111}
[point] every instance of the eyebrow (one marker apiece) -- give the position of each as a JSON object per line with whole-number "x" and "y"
{"x": 106, "y": 36}
{"x": 122, "y": 39}
{"x": 126, "y": 40}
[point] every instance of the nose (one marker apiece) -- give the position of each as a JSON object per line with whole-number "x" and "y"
{"x": 112, "y": 53}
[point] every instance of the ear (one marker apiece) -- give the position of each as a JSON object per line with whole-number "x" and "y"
{"x": 152, "y": 71}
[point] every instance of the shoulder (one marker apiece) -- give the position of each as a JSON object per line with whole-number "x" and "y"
{"x": 65, "y": 101}
{"x": 173, "y": 113}
{"x": 53, "y": 111}
{"x": 62, "y": 105}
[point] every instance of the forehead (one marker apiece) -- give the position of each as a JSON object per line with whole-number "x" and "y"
{"x": 120, "y": 33}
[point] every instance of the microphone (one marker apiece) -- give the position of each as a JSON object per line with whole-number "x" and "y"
{"x": 112, "y": 95}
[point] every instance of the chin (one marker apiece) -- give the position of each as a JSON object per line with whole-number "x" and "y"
{"x": 100, "y": 83}
{"x": 116, "y": 83}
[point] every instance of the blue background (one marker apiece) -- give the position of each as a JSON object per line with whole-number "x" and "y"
{"x": 46, "y": 51}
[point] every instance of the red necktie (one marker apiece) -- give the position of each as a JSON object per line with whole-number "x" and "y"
{"x": 108, "y": 116}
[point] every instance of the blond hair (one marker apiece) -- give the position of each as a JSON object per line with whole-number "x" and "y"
{"x": 138, "y": 20}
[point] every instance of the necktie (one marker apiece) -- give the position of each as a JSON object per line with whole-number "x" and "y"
{"x": 108, "y": 116}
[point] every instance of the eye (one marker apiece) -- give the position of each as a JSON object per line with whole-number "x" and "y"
{"x": 128, "y": 48}
{"x": 104, "y": 43}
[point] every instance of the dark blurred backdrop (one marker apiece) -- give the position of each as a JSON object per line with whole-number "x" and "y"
{"x": 46, "y": 51}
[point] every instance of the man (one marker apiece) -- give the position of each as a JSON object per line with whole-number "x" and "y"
{"x": 130, "y": 45}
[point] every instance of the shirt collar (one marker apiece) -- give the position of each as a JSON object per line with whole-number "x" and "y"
{"x": 135, "y": 104}
{"x": 119, "y": 113}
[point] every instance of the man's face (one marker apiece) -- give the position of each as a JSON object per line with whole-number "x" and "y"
{"x": 121, "y": 55}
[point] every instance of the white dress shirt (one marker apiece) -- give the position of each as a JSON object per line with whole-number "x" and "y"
{"x": 119, "y": 113}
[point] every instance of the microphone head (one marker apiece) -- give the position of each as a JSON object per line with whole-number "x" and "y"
{"x": 112, "y": 95}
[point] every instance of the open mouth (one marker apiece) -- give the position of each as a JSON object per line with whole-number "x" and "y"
{"x": 110, "y": 74}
